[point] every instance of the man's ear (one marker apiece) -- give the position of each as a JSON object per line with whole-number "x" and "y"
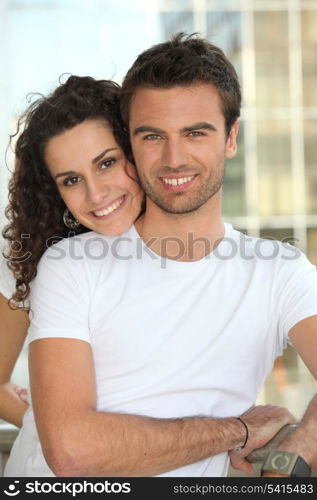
{"x": 231, "y": 144}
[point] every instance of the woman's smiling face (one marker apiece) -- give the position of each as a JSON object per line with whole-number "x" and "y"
{"x": 94, "y": 178}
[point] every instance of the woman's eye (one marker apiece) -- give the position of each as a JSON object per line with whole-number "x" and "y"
{"x": 107, "y": 163}
{"x": 71, "y": 181}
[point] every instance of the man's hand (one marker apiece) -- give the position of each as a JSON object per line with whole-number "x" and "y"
{"x": 263, "y": 423}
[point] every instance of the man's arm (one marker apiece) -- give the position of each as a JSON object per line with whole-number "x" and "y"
{"x": 303, "y": 440}
{"x": 304, "y": 338}
{"x": 77, "y": 440}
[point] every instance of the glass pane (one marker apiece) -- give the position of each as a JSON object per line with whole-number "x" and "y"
{"x": 234, "y": 184}
{"x": 176, "y": 4}
{"x": 271, "y": 61}
{"x": 274, "y": 161}
{"x": 275, "y": 193}
{"x": 281, "y": 234}
{"x": 309, "y": 55}
{"x": 312, "y": 245}
{"x": 310, "y": 130}
{"x": 224, "y": 30}
{"x": 274, "y": 143}
{"x": 173, "y": 22}
{"x": 311, "y": 189}
{"x": 310, "y": 138}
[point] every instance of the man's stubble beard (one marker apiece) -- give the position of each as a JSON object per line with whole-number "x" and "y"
{"x": 191, "y": 201}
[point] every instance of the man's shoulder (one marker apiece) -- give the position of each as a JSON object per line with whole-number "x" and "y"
{"x": 265, "y": 249}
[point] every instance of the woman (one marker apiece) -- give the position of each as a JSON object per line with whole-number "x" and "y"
{"x": 71, "y": 175}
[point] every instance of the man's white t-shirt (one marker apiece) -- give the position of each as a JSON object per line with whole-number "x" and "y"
{"x": 169, "y": 338}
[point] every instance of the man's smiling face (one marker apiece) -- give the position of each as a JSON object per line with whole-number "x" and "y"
{"x": 180, "y": 144}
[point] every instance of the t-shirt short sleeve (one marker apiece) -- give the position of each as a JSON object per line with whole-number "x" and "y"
{"x": 297, "y": 293}
{"x": 7, "y": 281}
{"x": 59, "y": 297}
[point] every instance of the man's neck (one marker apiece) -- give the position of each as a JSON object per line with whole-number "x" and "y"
{"x": 184, "y": 237}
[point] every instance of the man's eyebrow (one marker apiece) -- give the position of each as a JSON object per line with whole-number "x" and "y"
{"x": 93, "y": 161}
{"x": 199, "y": 126}
{"x": 189, "y": 128}
{"x": 148, "y": 128}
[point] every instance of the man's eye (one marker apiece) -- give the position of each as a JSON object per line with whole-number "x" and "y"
{"x": 196, "y": 133}
{"x": 71, "y": 181}
{"x": 152, "y": 137}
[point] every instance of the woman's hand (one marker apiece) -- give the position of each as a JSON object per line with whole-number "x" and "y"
{"x": 22, "y": 393}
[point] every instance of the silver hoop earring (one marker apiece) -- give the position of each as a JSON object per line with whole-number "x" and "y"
{"x": 70, "y": 221}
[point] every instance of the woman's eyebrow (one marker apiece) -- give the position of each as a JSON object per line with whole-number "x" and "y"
{"x": 94, "y": 160}
{"x": 62, "y": 174}
{"x": 101, "y": 155}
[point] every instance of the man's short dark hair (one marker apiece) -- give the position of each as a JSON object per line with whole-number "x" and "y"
{"x": 182, "y": 61}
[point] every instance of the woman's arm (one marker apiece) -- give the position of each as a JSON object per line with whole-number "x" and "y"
{"x": 79, "y": 441}
{"x": 13, "y": 330}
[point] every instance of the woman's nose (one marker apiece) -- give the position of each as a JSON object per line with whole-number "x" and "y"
{"x": 97, "y": 191}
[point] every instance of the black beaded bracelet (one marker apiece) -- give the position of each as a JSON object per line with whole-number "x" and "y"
{"x": 238, "y": 448}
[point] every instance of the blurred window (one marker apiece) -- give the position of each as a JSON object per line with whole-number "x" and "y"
{"x": 224, "y": 29}
{"x": 271, "y": 58}
{"x": 309, "y": 55}
{"x": 310, "y": 137}
{"x": 274, "y": 163}
{"x": 312, "y": 245}
{"x": 234, "y": 184}
{"x": 282, "y": 234}
{"x": 175, "y": 21}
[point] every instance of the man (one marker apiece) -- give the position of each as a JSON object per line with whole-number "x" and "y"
{"x": 181, "y": 331}
{"x": 182, "y": 110}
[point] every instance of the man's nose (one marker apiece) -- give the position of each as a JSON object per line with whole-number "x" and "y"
{"x": 97, "y": 190}
{"x": 174, "y": 154}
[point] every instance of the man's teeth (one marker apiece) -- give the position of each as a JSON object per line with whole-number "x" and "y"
{"x": 177, "y": 182}
{"x": 109, "y": 209}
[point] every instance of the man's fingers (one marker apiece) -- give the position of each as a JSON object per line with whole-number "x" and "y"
{"x": 240, "y": 463}
{"x": 264, "y": 422}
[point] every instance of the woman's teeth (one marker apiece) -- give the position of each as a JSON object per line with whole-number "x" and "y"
{"x": 177, "y": 182}
{"x": 111, "y": 208}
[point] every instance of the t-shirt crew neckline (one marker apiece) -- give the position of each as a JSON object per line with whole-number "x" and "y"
{"x": 222, "y": 252}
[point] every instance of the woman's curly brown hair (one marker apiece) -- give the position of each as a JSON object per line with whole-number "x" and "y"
{"x": 35, "y": 209}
